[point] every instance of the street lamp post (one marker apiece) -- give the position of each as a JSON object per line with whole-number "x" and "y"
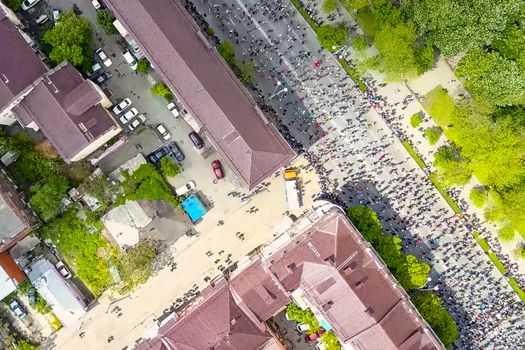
{"x": 278, "y": 92}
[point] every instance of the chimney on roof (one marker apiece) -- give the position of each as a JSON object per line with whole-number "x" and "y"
{"x": 326, "y": 306}
{"x": 369, "y": 311}
{"x": 292, "y": 267}
{"x": 361, "y": 281}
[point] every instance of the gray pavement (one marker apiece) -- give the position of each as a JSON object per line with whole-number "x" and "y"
{"x": 361, "y": 161}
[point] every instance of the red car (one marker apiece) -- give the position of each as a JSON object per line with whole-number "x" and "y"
{"x": 217, "y": 169}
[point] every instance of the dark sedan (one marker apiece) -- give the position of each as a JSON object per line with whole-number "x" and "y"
{"x": 154, "y": 157}
{"x": 177, "y": 153}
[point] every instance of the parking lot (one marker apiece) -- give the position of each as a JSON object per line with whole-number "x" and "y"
{"x": 287, "y": 331}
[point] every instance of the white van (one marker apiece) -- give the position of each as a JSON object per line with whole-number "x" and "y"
{"x": 43, "y": 18}
{"x": 132, "y": 61}
{"x": 181, "y": 191}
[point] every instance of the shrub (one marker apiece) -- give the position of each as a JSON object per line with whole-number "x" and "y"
{"x": 478, "y": 196}
{"x": 359, "y": 43}
{"x": 14, "y": 5}
{"x": 46, "y": 198}
{"x": 147, "y": 183}
{"x": 433, "y": 135}
{"x": 143, "y": 66}
{"x": 303, "y": 316}
{"x": 169, "y": 168}
{"x": 227, "y": 51}
{"x": 506, "y": 233}
{"x": 331, "y": 37}
{"x": 210, "y": 31}
{"x": 105, "y": 20}
{"x": 416, "y": 120}
{"x": 246, "y": 72}
{"x": 136, "y": 265}
{"x": 329, "y": 6}
{"x": 160, "y": 89}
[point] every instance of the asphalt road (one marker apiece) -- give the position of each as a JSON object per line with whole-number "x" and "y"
{"x": 363, "y": 162}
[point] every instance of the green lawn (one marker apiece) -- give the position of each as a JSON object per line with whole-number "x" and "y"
{"x": 514, "y": 284}
{"x": 483, "y": 244}
{"x": 439, "y": 105}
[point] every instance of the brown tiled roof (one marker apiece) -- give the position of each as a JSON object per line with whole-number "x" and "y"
{"x": 250, "y": 145}
{"x": 11, "y": 268}
{"x": 350, "y": 285}
{"x": 259, "y": 291}
{"x": 217, "y": 323}
{"x": 66, "y": 108}
{"x": 19, "y": 64}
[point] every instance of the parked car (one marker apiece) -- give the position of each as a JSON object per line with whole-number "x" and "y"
{"x": 132, "y": 61}
{"x": 56, "y": 15}
{"x": 27, "y": 4}
{"x": 140, "y": 119}
{"x": 63, "y": 270}
{"x": 196, "y": 139}
{"x": 154, "y": 157}
{"x": 31, "y": 296}
{"x": 172, "y": 107}
{"x": 43, "y": 18}
{"x": 103, "y": 57}
{"x": 217, "y": 169}
{"x": 126, "y": 117}
{"x": 311, "y": 337}
{"x": 96, "y": 4}
{"x": 18, "y": 309}
{"x": 177, "y": 152}
{"x": 163, "y": 132}
{"x": 122, "y": 105}
{"x": 103, "y": 77}
{"x": 301, "y": 327}
{"x": 181, "y": 191}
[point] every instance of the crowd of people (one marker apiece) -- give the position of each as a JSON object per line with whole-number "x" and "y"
{"x": 352, "y": 141}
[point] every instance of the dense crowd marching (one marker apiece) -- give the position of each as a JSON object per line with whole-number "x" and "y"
{"x": 352, "y": 141}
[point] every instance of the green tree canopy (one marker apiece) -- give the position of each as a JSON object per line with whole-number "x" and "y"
{"x": 46, "y": 196}
{"x": 168, "y": 168}
{"x": 366, "y": 221}
{"x": 136, "y": 265}
{"x": 490, "y": 76}
{"x": 359, "y": 43}
{"x": 412, "y": 273}
{"x": 105, "y": 20}
{"x": 332, "y": 37}
{"x": 147, "y": 183}
{"x": 329, "y": 6}
{"x": 70, "y": 40}
{"x": 452, "y": 169}
{"x": 86, "y": 252}
{"x": 160, "y": 89}
{"x": 143, "y": 66}
{"x": 429, "y": 306}
{"x": 459, "y": 26}
{"x": 478, "y": 196}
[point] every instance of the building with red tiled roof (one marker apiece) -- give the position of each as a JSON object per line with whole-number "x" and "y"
{"x": 68, "y": 109}
{"x": 217, "y": 322}
{"x": 328, "y": 267}
{"x": 217, "y": 103}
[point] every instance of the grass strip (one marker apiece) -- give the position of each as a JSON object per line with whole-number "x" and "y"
{"x": 499, "y": 265}
{"x": 432, "y": 177}
{"x": 514, "y": 284}
{"x": 414, "y": 155}
{"x": 444, "y": 193}
{"x": 352, "y": 72}
{"x": 305, "y": 14}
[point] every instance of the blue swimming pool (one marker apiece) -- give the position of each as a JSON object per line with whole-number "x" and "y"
{"x": 193, "y": 207}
